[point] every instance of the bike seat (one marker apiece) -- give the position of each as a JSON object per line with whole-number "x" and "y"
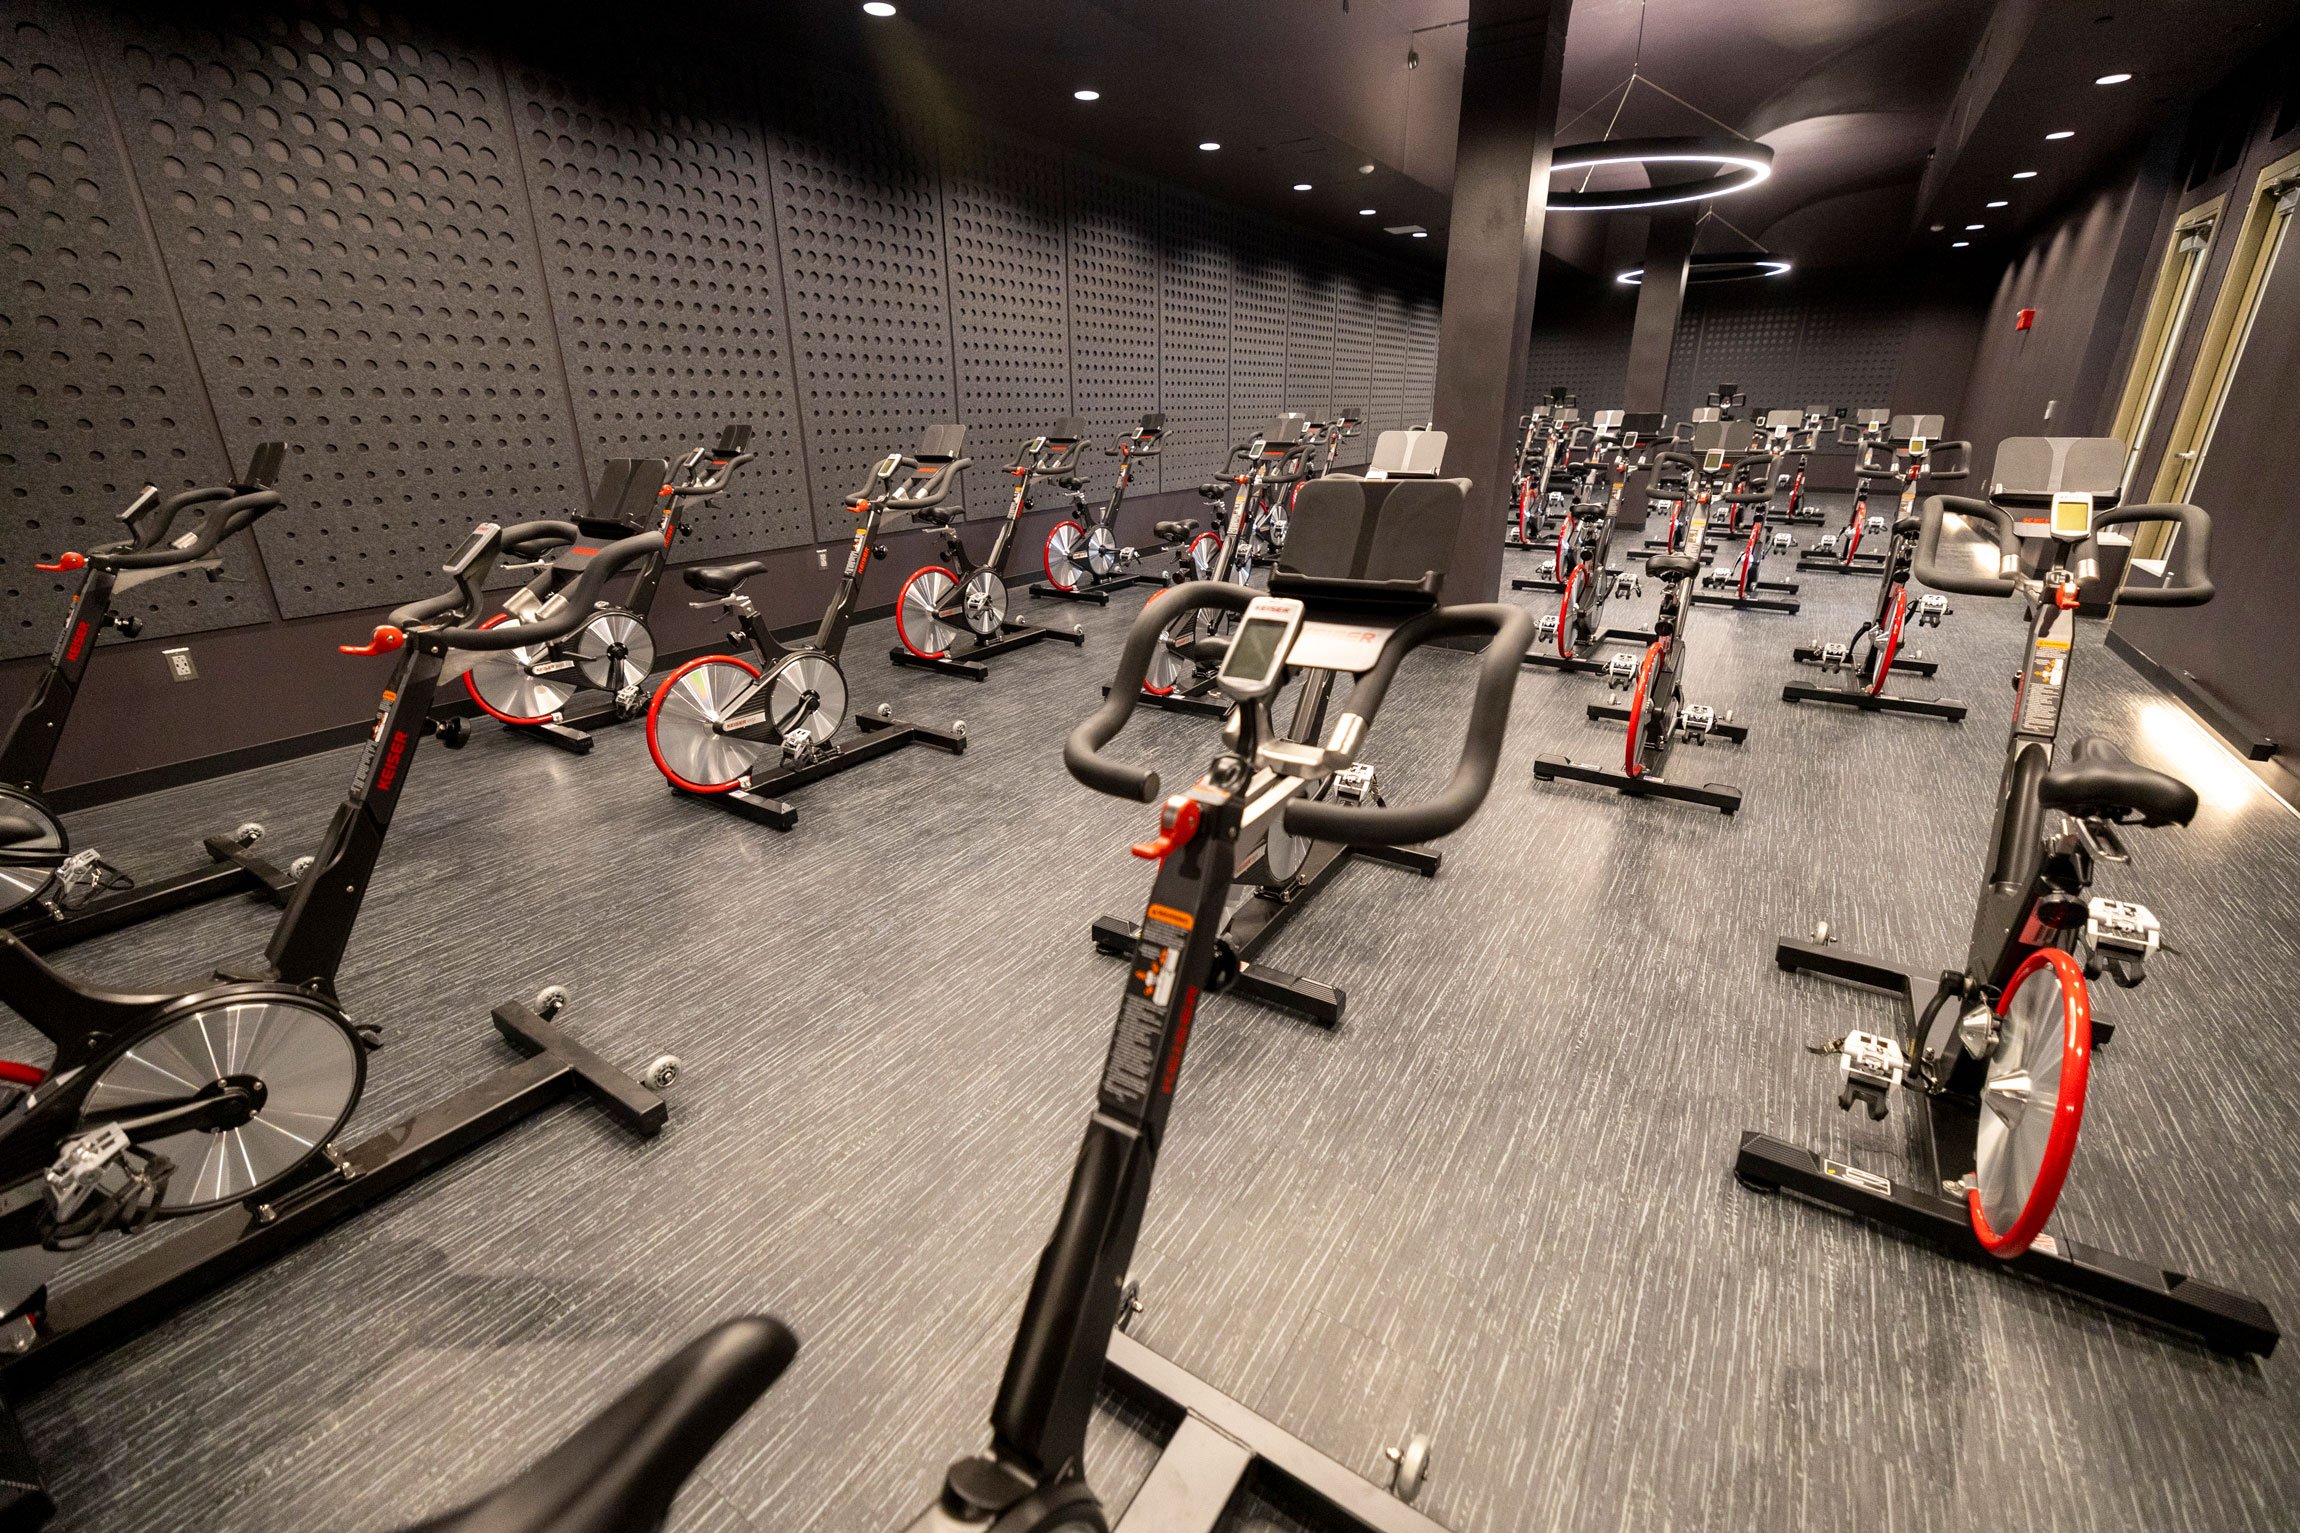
{"x": 2094, "y": 778}
{"x": 1909, "y": 526}
{"x": 931, "y": 516}
{"x": 1668, "y": 567}
{"x": 721, "y": 579}
{"x": 1588, "y": 510}
{"x": 1175, "y": 532}
{"x": 622, "y": 1471}
{"x": 1213, "y": 491}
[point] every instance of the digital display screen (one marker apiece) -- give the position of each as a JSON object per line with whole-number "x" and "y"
{"x": 1256, "y": 650}
{"x": 1712, "y": 461}
{"x": 2071, "y": 516}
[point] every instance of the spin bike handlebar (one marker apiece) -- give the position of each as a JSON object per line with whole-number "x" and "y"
{"x": 2194, "y": 521}
{"x": 2196, "y": 527}
{"x": 231, "y": 509}
{"x": 2002, "y": 532}
{"x": 567, "y": 611}
{"x": 1473, "y": 773}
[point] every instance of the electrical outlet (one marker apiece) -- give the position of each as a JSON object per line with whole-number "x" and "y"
{"x": 180, "y": 667}
{"x": 822, "y": 558}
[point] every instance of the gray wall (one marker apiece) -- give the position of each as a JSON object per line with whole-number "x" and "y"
{"x": 459, "y": 277}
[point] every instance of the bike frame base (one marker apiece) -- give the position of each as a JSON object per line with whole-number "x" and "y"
{"x": 1825, "y": 564}
{"x": 1751, "y": 603}
{"x": 1592, "y": 664}
{"x": 759, "y": 800}
{"x": 1527, "y": 583}
{"x": 1883, "y": 702}
{"x": 1810, "y": 654}
{"x": 1723, "y": 797}
{"x": 2218, "y": 1318}
{"x": 968, "y": 662}
{"x": 232, "y": 869}
{"x": 169, "y": 1271}
{"x": 1098, "y": 592}
{"x": 1219, "y": 1446}
{"x": 1198, "y": 697}
{"x": 572, "y": 735}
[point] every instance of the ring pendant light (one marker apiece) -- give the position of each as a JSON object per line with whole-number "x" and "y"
{"x": 1739, "y": 164}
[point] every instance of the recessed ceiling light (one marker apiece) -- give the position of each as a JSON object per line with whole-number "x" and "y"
{"x": 2024, "y": 175}
{"x": 2116, "y": 79}
{"x": 877, "y": 8}
{"x": 1421, "y": 234}
{"x": 1209, "y": 146}
{"x": 1086, "y": 95}
{"x": 1999, "y": 203}
{"x": 2056, "y": 137}
{"x": 1974, "y": 228}
{"x": 1937, "y": 228}
{"x": 1301, "y": 186}
{"x": 1365, "y": 212}
{"x": 1959, "y": 244}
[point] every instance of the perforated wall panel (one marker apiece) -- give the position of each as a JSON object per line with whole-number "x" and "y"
{"x": 342, "y": 219}
{"x": 1194, "y": 261}
{"x": 1594, "y": 366}
{"x": 1754, "y": 348}
{"x": 1114, "y": 313}
{"x": 1849, "y": 352}
{"x": 1421, "y": 359}
{"x": 659, "y": 255}
{"x": 101, "y": 392}
{"x": 1003, "y": 220}
{"x": 1259, "y": 297}
{"x": 1310, "y": 339}
{"x": 1387, "y": 408}
{"x": 860, "y": 220}
{"x": 1354, "y": 342}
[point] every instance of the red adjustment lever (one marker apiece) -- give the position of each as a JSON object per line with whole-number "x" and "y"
{"x": 2064, "y": 597}
{"x": 857, "y": 507}
{"x": 65, "y": 562}
{"x": 387, "y": 639}
{"x": 14, "y": 1074}
{"x": 1177, "y": 824}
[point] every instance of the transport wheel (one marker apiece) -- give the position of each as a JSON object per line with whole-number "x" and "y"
{"x": 297, "y": 1055}
{"x": 1204, "y": 549}
{"x": 982, "y": 603}
{"x": 1101, "y": 551}
{"x": 1167, "y": 666}
{"x": 32, "y": 846}
{"x": 1066, "y": 565}
{"x": 1568, "y": 624}
{"x": 613, "y": 651}
{"x": 504, "y": 684}
{"x": 1409, "y": 1465}
{"x": 2032, "y": 1103}
{"x": 1641, "y": 702}
{"x": 1886, "y": 644}
{"x": 919, "y": 610}
{"x": 683, "y": 733}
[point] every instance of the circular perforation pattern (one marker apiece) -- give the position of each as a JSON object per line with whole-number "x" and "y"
{"x": 1354, "y": 338}
{"x": 659, "y": 245}
{"x": 862, "y": 249}
{"x": 101, "y": 396}
{"x": 1003, "y": 223}
{"x": 1310, "y": 340}
{"x": 341, "y": 211}
{"x": 1421, "y": 358}
{"x": 1114, "y": 311}
{"x": 1261, "y": 286}
{"x": 1386, "y": 410}
{"x": 1195, "y": 245}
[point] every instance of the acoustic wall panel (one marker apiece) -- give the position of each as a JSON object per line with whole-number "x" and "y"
{"x": 1354, "y": 343}
{"x": 1421, "y": 359}
{"x": 1593, "y": 365}
{"x": 1114, "y": 310}
{"x": 1387, "y": 409}
{"x": 1849, "y": 352}
{"x": 102, "y": 395}
{"x": 1004, "y": 224}
{"x": 859, "y": 214}
{"x": 1194, "y": 364}
{"x": 1753, "y": 348}
{"x": 343, "y": 222}
{"x": 1259, "y": 297}
{"x": 659, "y": 254}
{"x": 1310, "y": 339}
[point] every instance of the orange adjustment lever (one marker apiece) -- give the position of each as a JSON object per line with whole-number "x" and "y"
{"x": 2064, "y": 597}
{"x": 65, "y": 562}
{"x": 387, "y": 639}
{"x": 1177, "y": 824}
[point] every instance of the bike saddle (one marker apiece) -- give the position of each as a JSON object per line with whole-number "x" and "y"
{"x": 721, "y": 579}
{"x": 1213, "y": 491}
{"x": 620, "y": 1473}
{"x": 931, "y": 516}
{"x": 1175, "y": 532}
{"x": 2093, "y": 777}
{"x": 1667, "y": 567}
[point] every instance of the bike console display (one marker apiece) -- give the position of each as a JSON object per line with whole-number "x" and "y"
{"x": 1257, "y": 653}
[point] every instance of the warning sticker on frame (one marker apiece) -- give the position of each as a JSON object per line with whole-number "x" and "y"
{"x": 1132, "y": 1070}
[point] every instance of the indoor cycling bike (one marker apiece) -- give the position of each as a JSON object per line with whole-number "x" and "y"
{"x": 228, "y": 1100}
{"x": 1031, "y": 1477}
{"x": 51, "y": 895}
{"x": 942, "y": 604}
{"x": 1905, "y": 451}
{"x": 1743, "y": 586}
{"x": 1878, "y": 647}
{"x": 1995, "y": 1067}
{"x": 1542, "y": 435}
{"x": 740, "y": 735}
{"x": 1586, "y": 577}
{"x": 1084, "y": 559}
{"x": 530, "y": 686}
{"x": 1658, "y": 716}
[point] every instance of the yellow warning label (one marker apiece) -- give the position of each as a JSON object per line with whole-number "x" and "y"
{"x": 1178, "y": 919}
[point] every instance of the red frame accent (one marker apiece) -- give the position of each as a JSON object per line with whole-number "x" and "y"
{"x": 655, "y": 707}
{"x": 1565, "y": 612}
{"x": 923, "y": 654}
{"x": 1629, "y": 762}
{"x": 14, "y": 1074}
{"x": 1889, "y": 642}
{"x": 2068, "y": 1112}
{"x": 488, "y": 708}
{"x": 1053, "y": 579}
{"x": 1189, "y": 551}
{"x": 1749, "y": 557}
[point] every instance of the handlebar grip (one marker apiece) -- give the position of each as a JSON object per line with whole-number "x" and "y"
{"x": 225, "y": 517}
{"x": 415, "y": 614}
{"x": 1671, "y": 455}
{"x": 530, "y": 540}
{"x": 1927, "y": 567}
{"x": 1082, "y": 752}
{"x": 1960, "y": 461}
{"x": 1513, "y": 633}
{"x": 2196, "y": 527}
{"x": 574, "y": 604}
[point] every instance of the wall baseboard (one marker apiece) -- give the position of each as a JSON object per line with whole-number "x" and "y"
{"x": 2261, "y": 752}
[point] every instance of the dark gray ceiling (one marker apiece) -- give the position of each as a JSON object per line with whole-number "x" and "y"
{"x": 1884, "y": 116}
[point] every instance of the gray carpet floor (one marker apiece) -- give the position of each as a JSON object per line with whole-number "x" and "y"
{"x": 1495, "y": 1205}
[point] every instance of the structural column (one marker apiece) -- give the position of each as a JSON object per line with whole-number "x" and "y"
{"x": 1660, "y": 299}
{"x": 1509, "y": 92}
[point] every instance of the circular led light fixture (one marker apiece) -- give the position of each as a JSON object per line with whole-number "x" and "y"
{"x": 1365, "y": 212}
{"x": 1974, "y": 228}
{"x": 2115, "y": 79}
{"x": 1086, "y": 95}
{"x": 2056, "y": 137}
{"x": 1421, "y": 234}
{"x": 1210, "y": 146}
{"x": 1959, "y": 244}
{"x": 1301, "y": 186}
{"x": 877, "y": 8}
{"x": 1717, "y": 268}
{"x": 2024, "y": 175}
{"x": 1739, "y": 164}
{"x": 1999, "y": 203}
